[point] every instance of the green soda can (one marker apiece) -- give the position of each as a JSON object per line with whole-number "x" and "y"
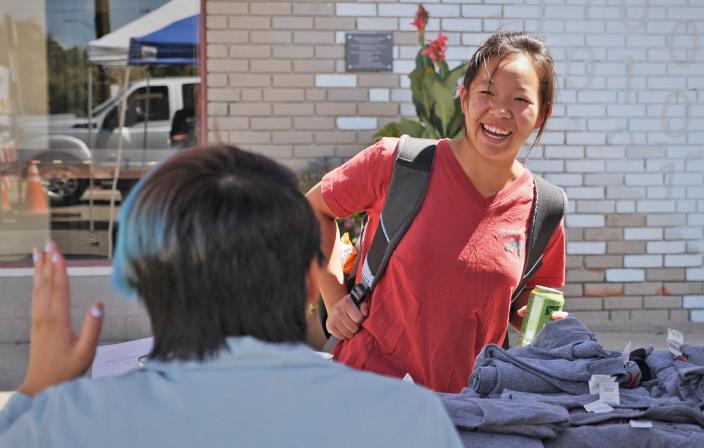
{"x": 542, "y": 303}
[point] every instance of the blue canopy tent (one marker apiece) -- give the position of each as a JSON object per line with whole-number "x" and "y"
{"x": 176, "y": 43}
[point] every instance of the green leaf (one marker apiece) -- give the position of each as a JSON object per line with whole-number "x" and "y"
{"x": 390, "y": 130}
{"x": 443, "y": 69}
{"x": 410, "y": 127}
{"x": 443, "y": 107}
{"x": 454, "y": 76}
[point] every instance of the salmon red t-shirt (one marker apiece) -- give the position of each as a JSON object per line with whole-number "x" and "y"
{"x": 446, "y": 291}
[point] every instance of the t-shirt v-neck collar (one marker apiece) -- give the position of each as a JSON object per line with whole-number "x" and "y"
{"x": 448, "y": 158}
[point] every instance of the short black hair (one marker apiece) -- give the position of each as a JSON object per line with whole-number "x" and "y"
{"x": 217, "y": 242}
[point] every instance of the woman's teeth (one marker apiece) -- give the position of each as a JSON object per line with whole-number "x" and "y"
{"x": 495, "y": 132}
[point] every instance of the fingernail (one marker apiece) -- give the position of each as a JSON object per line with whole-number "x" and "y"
{"x": 47, "y": 246}
{"x": 96, "y": 311}
{"x": 35, "y": 255}
{"x": 55, "y": 257}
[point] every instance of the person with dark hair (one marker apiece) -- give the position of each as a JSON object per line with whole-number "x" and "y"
{"x": 223, "y": 251}
{"x": 446, "y": 290}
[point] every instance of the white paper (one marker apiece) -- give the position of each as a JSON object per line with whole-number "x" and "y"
{"x": 608, "y": 393}
{"x": 641, "y": 424}
{"x": 325, "y": 355}
{"x": 116, "y": 359}
{"x": 675, "y": 339}
{"x": 598, "y": 407}
{"x": 595, "y": 380}
{"x": 626, "y": 353}
{"x": 407, "y": 378}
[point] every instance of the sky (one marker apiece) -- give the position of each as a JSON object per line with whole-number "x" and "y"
{"x": 71, "y": 22}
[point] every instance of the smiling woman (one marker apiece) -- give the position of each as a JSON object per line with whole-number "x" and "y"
{"x": 446, "y": 290}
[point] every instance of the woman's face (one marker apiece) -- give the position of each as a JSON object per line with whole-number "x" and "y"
{"x": 501, "y": 112}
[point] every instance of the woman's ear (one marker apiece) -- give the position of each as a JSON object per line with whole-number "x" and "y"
{"x": 312, "y": 291}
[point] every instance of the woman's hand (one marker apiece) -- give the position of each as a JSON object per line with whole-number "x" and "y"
{"x": 345, "y": 319}
{"x": 556, "y": 315}
{"x": 56, "y": 354}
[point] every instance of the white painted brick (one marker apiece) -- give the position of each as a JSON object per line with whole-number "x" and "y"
{"x": 585, "y": 192}
{"x": 340, "y": 37}
{"x": 481, "y": 11}
{"x": 642, "y": 233}
{"x": 695, "y": 219}
{"x": 695, "y": 192}
{"x": 404, "y": 67}
{"x": 684, "y": 179}
{"x": 666, "y": 247}
{"x": 642, "y": 261}
{"x": 585, "y": 166}
{"x": 586, "y": 248}
{"x": 686, "y": 206}
{"x": 585, "y": 220}
{"x": 586, "y": 138}
{"x": 462, "y": 25}
{"x": 665, "y": 193}
{"x": 645, "y": 40}
{"x": 644, "y": 179}
{"x": 606, "y": 152}
{"x": 357, "y": 123}
{"x": 401, "y": 95}
{"x": 624, "y": 166}
{"x": 522, "y": 12}
{"x": 605, "y": 40}
{"x": 696, "y": 274}
{"x": 443, "y": 10}
{"x": 397, "y": 10}
{"x": 585, "y": 206}
{"x": 377, "y": 24}
{"x": 684, "y": 233}
{"x": 408, "y": 110}
{"x": 379, "y": 95}
{"x": 625, "y": 206}
{"x": 625, "y": 110}
{"x": 546, "y": 166}
{"x": 355, "y": 9}
{"x": 335, "y": 80}
{"x": 646, "y": 206}
{"x": 697, "y": 316}
{"x": 683, "y": 261}
{"x": 625, "y": 192}
{"x": 565, "y": 180}
{"x": 693, "y": 301}
{"x": 586, "y": 110}
{"x": 563, "y": 152}
{"x": 625, "y": 275}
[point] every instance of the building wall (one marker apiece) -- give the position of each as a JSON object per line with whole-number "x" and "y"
{"x": 626, "y": 139}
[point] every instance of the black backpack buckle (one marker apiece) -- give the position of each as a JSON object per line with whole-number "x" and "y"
{"x": 358, "y": 293}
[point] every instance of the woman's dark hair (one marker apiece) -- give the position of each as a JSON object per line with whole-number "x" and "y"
{"x": 217, "y": 242}
{"x": 508, "y": 43}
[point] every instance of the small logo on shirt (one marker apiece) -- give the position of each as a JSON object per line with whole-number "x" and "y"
{"x": 513, "y": 242}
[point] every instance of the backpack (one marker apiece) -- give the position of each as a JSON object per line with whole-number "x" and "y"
{"x": 409, "y": 183}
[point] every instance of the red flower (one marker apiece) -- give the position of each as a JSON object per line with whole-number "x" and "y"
{"x": 436, "y": 49}
{"x": 421, "y": 18}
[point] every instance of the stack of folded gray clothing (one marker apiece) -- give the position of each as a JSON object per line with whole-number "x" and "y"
{"x": 535, "y": 396}
{"x": 678, "y": 376}
{"x": 562, "y": 359}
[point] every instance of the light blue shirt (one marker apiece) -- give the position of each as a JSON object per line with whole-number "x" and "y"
{"x": 256, "y": 395}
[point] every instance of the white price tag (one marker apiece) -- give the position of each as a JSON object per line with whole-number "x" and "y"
{"x": 407, "y": 378}
{"x": 598, "y": 407}
{"x": 595, "y": 380}
{"x": 641, "y": 424}
{"x": 608, "y": 393}
{"x": 626, "y": 353}
{"x": 675, "y": 339}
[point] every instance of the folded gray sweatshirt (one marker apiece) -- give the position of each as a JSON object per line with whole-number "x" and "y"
{"x": 661, "y": 435}
{"x": 682, "y": 376}
{"x": 562, "y": 358}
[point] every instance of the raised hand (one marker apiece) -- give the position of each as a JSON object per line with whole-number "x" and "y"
{"x": 56, "y": 353}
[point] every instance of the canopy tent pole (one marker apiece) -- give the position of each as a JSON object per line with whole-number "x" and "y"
{"x": 91, "y": 221}
{"x": 118, "y": 161}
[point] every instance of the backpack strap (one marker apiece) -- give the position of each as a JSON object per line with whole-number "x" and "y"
{"x": 549, "y": 206}
{"x": 409, "y": 183}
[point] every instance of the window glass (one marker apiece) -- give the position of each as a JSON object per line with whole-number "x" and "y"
{"x": 62, "y": 91}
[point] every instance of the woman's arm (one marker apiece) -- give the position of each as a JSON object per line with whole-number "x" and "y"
{"x": 344, "y": 318}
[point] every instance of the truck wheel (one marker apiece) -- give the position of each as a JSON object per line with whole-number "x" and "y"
{"x": 64, "y": 186}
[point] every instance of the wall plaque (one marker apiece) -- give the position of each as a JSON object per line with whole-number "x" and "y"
{"x": 368, "y": 52}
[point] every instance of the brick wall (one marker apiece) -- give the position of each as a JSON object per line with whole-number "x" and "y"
{"x": 626, "y": 139}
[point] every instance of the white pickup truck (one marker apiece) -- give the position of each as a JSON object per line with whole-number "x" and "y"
{"x": 66, "y": 147}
